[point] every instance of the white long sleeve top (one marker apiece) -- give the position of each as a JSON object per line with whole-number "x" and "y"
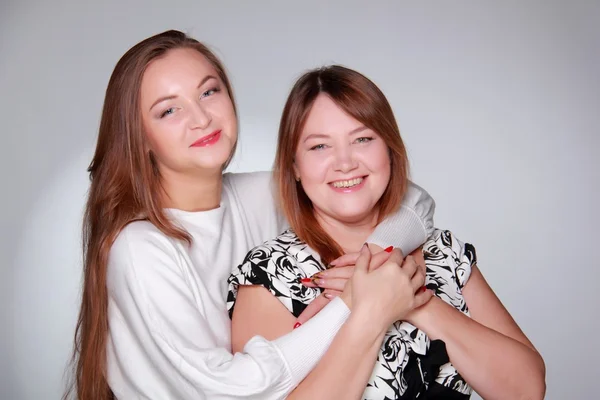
{"x": 169, "y": 331}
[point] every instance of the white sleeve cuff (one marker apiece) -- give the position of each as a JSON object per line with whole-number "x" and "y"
{"x": 303, "y": 347}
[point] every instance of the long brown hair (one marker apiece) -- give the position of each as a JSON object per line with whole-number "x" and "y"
{"x": 362, "y": 100}
{"x": 125, "y": 184}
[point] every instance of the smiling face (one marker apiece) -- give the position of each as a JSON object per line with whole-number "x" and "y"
{"x": 343, "y": 167}
{"x": 188, "y": 115}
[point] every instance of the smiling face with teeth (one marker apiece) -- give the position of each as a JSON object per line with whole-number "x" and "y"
{"x": 343, "y": 167}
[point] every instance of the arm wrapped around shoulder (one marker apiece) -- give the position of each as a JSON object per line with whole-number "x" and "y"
{"x": 411, "y": 225}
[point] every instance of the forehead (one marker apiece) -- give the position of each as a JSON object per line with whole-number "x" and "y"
{"x": 327, "y": 117}
{"x": 178, "y": 68}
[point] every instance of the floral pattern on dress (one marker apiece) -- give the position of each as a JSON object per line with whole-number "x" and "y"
{"x": 409, "y": 365}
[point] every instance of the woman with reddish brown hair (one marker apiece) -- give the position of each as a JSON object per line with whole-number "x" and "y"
{"x": 341, "y": 168}
{"x": 163, "y": 228}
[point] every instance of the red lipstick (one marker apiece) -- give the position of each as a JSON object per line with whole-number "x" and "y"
{"x": 207, "y": 140}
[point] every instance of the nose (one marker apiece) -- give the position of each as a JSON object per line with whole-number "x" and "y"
{"x": 345, "y": 160}
{"x": 200, "y": 117}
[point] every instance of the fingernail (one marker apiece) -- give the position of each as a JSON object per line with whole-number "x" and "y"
{"x": 297, "y": 324}
{"x": 318, "y": 281}
{"x": 305, "y": 280}
{"x": 389, "y": 249}
{"x": 365, "y": 245}
{"x": 328, "y": 296}
{"x": 424, "y": 288}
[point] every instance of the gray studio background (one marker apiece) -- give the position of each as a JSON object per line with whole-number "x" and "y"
{"x": 498, "y": 103}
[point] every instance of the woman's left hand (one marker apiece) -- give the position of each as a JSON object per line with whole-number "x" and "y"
{"x": 341, "y": 269}
{"x": 333, "y": 281}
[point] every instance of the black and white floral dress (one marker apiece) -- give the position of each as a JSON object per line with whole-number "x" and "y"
{"x": 409, "y": 365}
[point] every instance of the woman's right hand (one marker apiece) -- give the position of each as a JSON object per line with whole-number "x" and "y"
{"x": 387, "y": 293}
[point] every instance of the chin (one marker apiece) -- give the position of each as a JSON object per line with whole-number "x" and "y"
{"x": 213, "y": 160}
{"x": 353, "y": 216}
{"x": 210, "y": 165}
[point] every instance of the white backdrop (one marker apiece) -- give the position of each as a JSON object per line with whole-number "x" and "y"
{"x": 498, "y": 103}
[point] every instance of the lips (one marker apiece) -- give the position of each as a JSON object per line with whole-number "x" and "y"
{"x": 348, "y": 185}
{"x": 207, "y": 140}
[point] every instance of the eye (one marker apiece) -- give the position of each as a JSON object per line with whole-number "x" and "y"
{"x": 365, "y": 139}
{"x": 318, "y": 147}
{"x": 168, "y": 111}
{"x": 210, "y": 92}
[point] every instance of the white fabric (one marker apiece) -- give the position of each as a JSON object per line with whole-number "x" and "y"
{"x": 410, "y": 227}
{"x": 169, "y": 332}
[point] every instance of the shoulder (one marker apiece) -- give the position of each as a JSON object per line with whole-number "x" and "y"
{"x": 281, "y": 245}
{"x": 276, "y": 266}
{"x": 137, "y": 236}
{"x": 244, "y": 181}
{"x": 286, "y": 256}
{"x": 446, "y": 254}
{"x": 139, "y": 251}
{"x": 254, "y": 191}
{"x": 277, "y": 256}
{"x": 447, "y": 242}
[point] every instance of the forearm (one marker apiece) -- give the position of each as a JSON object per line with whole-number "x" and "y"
{"x": 345, "y": 369}
{"x": 303, "y": 348}
{"x": 495, "y": 365}
{"x": 410, "y": 225}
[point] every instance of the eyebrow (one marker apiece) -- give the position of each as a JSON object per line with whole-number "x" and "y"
{"x": 324, "y": 136}
{"x": 165, "y": 98}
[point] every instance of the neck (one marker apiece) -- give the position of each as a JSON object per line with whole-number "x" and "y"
{"x": 190, "y": 192}
{"x": 350, "y": 235}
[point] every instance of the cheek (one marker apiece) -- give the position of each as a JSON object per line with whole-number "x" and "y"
{"x": 153, "y": 139}
{"x": 378, "y": 159}
{"x": 224, "y": 115}
{"x": 224, "y": 109}
{"x": 313, "y": 168}
{"x": 234, "y": 127}
{"x": 164, "y": 140}
{"x": 384, "y": 169}
{"x": 385, "y": 164}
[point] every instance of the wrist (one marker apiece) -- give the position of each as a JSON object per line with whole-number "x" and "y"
{"x": 366, "y": 326}
{"x": 428, "y": 317}
{"x": 421, "y": 317}
{"x": 346, "y": 297}
{"x": 377, "y": 320}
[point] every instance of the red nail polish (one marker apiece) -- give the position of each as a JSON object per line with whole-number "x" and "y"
{"x": 305, "y": 280}
{"x": 297, "y": 324}
{"x": 424, "y": 288}
{"x": 389, "y": 249}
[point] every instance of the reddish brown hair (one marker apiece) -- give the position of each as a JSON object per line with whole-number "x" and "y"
{"x": 360, "y": 98}
{"x": 125, "y": 184}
